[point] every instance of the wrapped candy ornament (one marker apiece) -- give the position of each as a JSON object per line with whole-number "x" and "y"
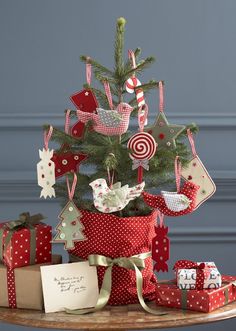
{"x": 46, "y": 168}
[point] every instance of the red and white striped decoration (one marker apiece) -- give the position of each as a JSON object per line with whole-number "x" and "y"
{"x": 143, "y": 146}
{"x": 131, "y": 83}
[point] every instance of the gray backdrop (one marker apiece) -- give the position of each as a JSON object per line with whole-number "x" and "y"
{"x": 193, "y": 42}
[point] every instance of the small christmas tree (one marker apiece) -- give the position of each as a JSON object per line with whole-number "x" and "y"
{"x": 70, "y": 228}
{"x": 110, "y": 153}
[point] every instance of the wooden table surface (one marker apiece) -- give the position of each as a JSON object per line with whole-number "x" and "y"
{"x": 129, "y": 317}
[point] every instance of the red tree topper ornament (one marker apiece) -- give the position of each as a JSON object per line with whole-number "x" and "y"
{"x": 85, "y": 101}
{"x": 161, "y": 246}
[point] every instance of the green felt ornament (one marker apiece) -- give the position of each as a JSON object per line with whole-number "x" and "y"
{"x": 70, "y": 229}
{"x": 163, "y": 132}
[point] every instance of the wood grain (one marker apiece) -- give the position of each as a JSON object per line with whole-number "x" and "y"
{"x": 128, "y": 317}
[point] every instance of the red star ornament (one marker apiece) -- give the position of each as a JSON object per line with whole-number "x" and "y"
{"x": 85, "y": 101}
{"x": 67, "y": 162}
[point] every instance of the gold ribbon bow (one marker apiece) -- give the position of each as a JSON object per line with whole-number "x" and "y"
{"x": 24, "y": 221}
{"x": 135, "y": 263}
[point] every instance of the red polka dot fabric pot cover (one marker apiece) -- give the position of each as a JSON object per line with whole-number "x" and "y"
{"x": 114, "y": 237}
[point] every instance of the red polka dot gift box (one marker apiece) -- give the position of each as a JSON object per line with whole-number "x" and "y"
{"x": 169, "y": 295}
{"x": 25, "y": 241}
{"x": 116, "y": 237}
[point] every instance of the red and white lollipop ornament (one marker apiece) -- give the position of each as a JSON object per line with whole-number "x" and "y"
{"x": 142, "y": 145}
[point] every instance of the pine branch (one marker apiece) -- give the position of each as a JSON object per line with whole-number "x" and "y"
{"x": 144, "y": 64}
{"x": 62, "y": 137}
{"x": 96, "y": 66}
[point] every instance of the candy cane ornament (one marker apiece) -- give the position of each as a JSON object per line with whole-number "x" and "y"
{"x": 133, "y": 82}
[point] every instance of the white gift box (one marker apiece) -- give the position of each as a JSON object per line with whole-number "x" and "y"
{"x": 186, "y": 278}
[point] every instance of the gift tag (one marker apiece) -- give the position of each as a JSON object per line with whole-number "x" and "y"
{"x": 197, "y": 173}
{"x": 70, "y": 229}
{"x": 46, "y": 168}
{"x": 161, "y": 246}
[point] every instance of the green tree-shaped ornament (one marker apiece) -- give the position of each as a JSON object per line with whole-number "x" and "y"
{"x": 70, "y": 229}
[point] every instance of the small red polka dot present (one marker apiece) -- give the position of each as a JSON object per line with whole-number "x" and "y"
{"x": 115, "y": 237}
{"x": 25, "y": 241}
{"x": 169, "y": 295}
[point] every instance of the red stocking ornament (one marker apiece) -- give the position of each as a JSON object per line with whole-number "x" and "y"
{"x": 85, "y": 101}
{"x": 161, "y": 246}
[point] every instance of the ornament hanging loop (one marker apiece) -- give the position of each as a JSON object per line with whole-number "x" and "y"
{"x": 177, "y": 173}
{"x": 132, "y": 59}
{"x": 161, "y": 218}
{"x": 71, "y": 191}
{"x": 191, "y": 141}
{"x": 142, "y": 116}
{"x": 47, "y": 137}
{"x": 67, "y": 121}
{"x": 108, "y": 93}
{"x": 161, "y": 97}
{"x": 88, "y": 70}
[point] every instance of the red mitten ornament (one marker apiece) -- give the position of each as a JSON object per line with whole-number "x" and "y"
{"x": 161, "y": 246}
{"x": 85, "y": 101}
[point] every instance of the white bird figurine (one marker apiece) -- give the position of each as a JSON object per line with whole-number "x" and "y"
{"x": 110, "y": 200}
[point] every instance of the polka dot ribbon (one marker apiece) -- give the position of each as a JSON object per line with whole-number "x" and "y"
{"x": 11, "y": 288}
{"x": 188, "y": 264}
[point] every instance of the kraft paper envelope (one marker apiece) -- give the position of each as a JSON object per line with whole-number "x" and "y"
{"x": 71, "y": 285}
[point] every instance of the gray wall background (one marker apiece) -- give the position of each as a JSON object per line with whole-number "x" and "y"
{"x": 40, "y": 44}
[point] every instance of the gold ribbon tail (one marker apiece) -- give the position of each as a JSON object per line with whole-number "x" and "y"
{"x": 134, "y": 263}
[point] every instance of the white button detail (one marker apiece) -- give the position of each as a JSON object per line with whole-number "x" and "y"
{"x": 62, "y": 235}
{"x": 64, "y": 162}
{"x": 71, "y": 208}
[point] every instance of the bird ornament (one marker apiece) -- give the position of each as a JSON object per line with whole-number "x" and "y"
{"x": 177, "y": 203}
{"x": 110, "y": 200}
{"x": 108, "y": 122}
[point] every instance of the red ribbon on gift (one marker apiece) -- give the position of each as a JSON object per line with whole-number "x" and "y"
{"x": 201, "y": 271}
{"x": 11, "y": 288}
